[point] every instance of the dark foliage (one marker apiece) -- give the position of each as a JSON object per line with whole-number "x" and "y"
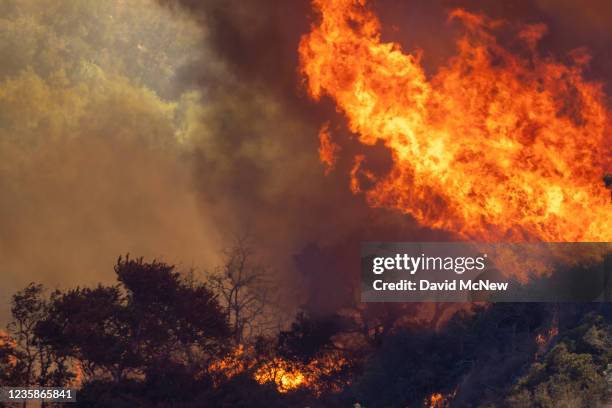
{"x": 307, "y": 336}
{"x": 152, "y": 339}
{"x": 155, "y": 331}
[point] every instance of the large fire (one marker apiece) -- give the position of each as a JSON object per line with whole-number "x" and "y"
{"x": 497, "y": 145}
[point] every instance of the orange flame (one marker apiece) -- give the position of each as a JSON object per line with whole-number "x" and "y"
{"x": 232, "y": 364}
{"x": 292, "y": 375}
{"x": 495, "y": 146}
{"x": 542, "y": 339}
{"x": 8, "y": 342}
{"x": 284, "y": 374}
{"x": 328, "y": 150}
{"x": 545, "y": 337}
{"x": 79, "y": 375}
{"x": 436, "y": 400}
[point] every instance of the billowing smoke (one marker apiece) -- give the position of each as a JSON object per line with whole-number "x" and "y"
{"x": 93, "y": 162}
{"x": 258, "y": 161}
{"x": 123, "y": 128}
{"x": 163, "y": 131}
{"x": 261, "y": 151}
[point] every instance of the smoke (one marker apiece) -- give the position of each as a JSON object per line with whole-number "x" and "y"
{"x": 74, "y": 206}
{"x": 571, "y": 24}
{"x": 257, "y": 154}
{"x": 258, "y": 161}
{"x": 163, "y": 131}
{"x": 124, "y": 129}
{"x": 92, "y": 160}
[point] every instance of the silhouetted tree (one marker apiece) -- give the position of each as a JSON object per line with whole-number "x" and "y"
{"x": 13, "y": 364}
{"x": 152, "y": 326}
{"x": 37, "y": 362}
{"x": 245, "y": 291}
{"x": 160, "y": 338}
{"x": 308, "y": 336}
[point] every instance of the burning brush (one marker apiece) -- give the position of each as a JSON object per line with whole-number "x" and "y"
{"x": 495, "y": 146}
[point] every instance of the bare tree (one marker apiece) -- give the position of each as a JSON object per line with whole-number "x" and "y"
{"x": 246, "y": 291}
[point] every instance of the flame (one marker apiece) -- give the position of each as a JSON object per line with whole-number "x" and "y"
{"x": 542, "y": 339}
{"x": 496, "y": 146}
{"x": 285, "y": 374}
{"x": 436, "y": 400}
{"x": 7, "y": 341}
{"x": 328, "y": 150}
{"x": 292, "y": 375}
{"x": 79, "y": 375}
{"x": 236, "y": 362}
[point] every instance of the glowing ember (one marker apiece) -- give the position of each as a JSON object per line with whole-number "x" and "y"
{"x": 495, "y": 146}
